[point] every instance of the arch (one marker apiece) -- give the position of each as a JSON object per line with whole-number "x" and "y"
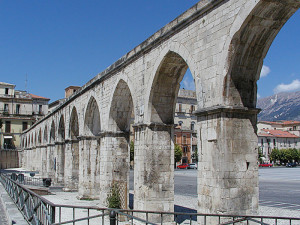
{"x": 33, "y": 139}
{"x": 74, "y": 124}
{"x": 184, "y": 53}
{"x": 164, "y": 88}
{"x": 40, "y": 136}
{"x": 121, "y": 109}
{"x": 45, "y": 135}
{"x": 52, "y": 132}
{"x": 61, "y": 129}
{"x": 251, "y": 35}
{"x": 92, "y": 118}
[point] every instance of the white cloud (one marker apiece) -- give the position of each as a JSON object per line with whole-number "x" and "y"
{"x": 265, "y": 70}
{"x": 188, "y": 85}
{"x": 294, "y": 86}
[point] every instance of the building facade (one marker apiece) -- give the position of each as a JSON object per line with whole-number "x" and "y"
{"x": 186, "y": 122}
{"x": 18, "y": 111}
{"x": 279, "y": 135}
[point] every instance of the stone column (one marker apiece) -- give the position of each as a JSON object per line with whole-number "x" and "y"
{"x": 33, "y": 159}
{"x": 38, "y": 161}
{"x": 227, "y": 168}
{"x": 154, "y": 169}
{"x": 60, "y": 162}
{"x": 50, "y": 161}
{"x": 114, "y": 166}
{"x": 44, "y": 160}
{"x": 89, "y": 154}
{"x": 71, "y": 165}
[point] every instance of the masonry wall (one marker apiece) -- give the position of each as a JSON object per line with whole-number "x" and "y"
{"x": 9, "y": 159}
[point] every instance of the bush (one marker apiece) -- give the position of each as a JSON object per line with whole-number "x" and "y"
{"x": 113, "y": 199}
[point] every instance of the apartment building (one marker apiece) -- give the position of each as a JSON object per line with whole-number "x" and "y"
{"x": 18, "y": 111}
{"x": 186, "y": 124}
{"x": 279, "y": 134}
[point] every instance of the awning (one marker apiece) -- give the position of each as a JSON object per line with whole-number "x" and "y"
{"x": 8, "y": 137}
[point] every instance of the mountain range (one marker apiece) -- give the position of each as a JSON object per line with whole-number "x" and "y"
{"x": 281, "y": 106}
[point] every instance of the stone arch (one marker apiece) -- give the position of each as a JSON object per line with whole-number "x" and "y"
{"x": 33, "y": 139}
{"x": 40, "y": 136}
{"x": 61, "y": 129}
{"x": 92, "y": 118}
{"x": 72, "y": 154}
{"x": 74, "y": 124}
{"x": 52, "y": 133}
{"x": 164, "y": 88}
{"x": 252, "y": 33}
{"x": 121, "y": 109}
{"x": 45, "y": 135}
{"x": 186, "y": 56}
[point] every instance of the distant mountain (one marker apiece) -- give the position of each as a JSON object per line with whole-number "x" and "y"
{"x": 282, "y": 106}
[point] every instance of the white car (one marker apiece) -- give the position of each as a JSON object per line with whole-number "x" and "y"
{"x": 193, "y": 166}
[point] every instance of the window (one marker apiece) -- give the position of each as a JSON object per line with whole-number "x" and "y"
{"x": 192, "y": 108}
{"x": 294, "y": 127}
{"x": 185, "y": 149}
{"x": 6, "y": 91}
{"x": 18, "y": 109}
{"x": 184, "y": 139}
{"x": 274, "y": 142}
{"x": 25, "y": 126}
{"x": 180, "y": 123}
{"x": 289, "y": 143}
{"x": 262, "y": 142}
{"x": 40, "y": 109}
{"x": 7, "y": 127}
{"x": 192, "y": 125}
{"x": 179, "y": 107}
{"x": 6, "y": 108}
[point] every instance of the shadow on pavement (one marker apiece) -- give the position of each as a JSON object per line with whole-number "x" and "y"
{"x": 177, "y": 208}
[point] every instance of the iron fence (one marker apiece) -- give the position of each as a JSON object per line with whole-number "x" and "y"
{"x": 38, "y": 210}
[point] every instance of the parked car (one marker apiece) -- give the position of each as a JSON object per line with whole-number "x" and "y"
{"x": 266, "y": 165}
{"x": 193, "y": 166}
{"x": 293, "y": 164}
{"x": 183, "y": 166}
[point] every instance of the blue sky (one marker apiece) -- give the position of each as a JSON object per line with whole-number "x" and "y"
{"x": 58, "y": 43}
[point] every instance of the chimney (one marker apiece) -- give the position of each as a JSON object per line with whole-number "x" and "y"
{"x": 71, "y": 90}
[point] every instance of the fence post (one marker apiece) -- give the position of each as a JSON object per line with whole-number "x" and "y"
{"x": 112, "y": 216}
{"x": 52, "y": 214}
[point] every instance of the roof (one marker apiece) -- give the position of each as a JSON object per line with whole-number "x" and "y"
{"x": 7, "y": 84}
{"x": 277, "y": 133}
{"x": 38, "y": 97}
{"x": 282, "y": 122}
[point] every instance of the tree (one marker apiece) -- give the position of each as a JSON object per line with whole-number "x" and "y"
{"x": 177, "y": 153}
{"x": 275, "y": 155}
{"x": 260, "y": 155}
{"x": 131, "y": 151}
{"x": 295, "y": 154}
{"x": 195, "y": 155}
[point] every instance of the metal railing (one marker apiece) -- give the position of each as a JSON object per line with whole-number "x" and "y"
{"x": 38, "y": 210}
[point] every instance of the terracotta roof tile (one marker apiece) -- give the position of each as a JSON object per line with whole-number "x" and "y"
{"x": 38, "y": 97}
{"x": 277, "y": 133}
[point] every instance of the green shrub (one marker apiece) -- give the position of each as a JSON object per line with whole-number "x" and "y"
{"x": 113, "y": 199}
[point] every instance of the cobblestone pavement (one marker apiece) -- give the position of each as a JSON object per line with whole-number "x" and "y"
{"x": 3, "y": 219}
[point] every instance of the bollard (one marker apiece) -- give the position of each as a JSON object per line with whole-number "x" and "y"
{"x": 112, "y": 216}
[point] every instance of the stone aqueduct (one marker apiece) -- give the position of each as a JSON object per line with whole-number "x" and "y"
{"x": 83, "y": 143}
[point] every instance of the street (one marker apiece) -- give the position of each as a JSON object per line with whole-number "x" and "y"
{"x": 278, "y": 187}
